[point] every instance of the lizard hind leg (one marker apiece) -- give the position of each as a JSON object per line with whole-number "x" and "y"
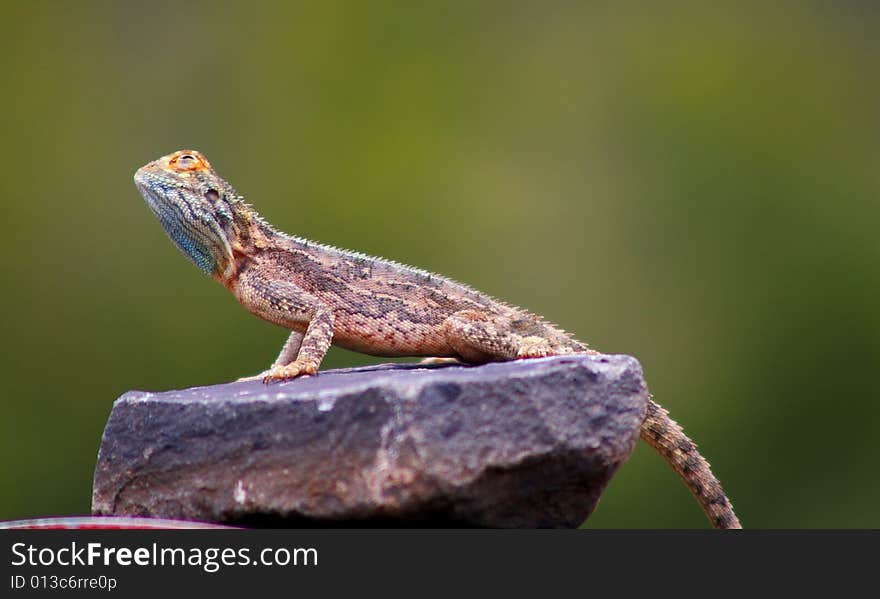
{"x": 478, "y": 337}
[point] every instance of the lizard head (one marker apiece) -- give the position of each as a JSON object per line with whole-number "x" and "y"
{"x": 194, "y": 205}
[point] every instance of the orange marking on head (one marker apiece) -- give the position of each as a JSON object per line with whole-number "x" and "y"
{"x": 186, "y": 161}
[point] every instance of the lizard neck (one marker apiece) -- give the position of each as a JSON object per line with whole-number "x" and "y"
{"x": 248, "y": 234}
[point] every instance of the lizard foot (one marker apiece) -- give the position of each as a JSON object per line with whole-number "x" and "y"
{"x": 437, "y": 360}
{"x": 534, "y": 347}
{"x": 290, "y": 371}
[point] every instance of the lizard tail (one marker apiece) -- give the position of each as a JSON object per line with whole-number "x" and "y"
{"x": 665, "y": 435}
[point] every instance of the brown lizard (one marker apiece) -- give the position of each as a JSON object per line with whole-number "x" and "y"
{"x": 327, "y": 295}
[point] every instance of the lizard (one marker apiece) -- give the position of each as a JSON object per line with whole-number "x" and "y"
{"x": 325, "y": 295}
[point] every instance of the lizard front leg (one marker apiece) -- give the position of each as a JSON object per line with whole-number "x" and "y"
{"x": 286, "y": 304}
{"x": 290, "y": 350}
{"x": 315, "y": 343}
{"x": 288, "y": 354}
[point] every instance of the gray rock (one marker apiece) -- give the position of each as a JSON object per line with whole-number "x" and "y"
{"x": 531, "y": 443}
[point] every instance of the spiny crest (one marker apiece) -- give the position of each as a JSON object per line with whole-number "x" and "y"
{"x": 427, "y": 275}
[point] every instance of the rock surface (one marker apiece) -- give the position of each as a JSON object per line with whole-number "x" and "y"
{"x": 531, "y": 443}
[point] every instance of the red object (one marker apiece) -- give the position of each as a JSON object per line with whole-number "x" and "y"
{"x": 104, "y": 523}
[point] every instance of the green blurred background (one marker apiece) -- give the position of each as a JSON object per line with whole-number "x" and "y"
{"x": 696, "y": 187}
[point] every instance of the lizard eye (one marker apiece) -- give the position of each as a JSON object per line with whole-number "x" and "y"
{"x": 186, "y": 162}
{"x": 212, "y": 195}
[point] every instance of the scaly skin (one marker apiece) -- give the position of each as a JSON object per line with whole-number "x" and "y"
{"x": 326, "y": 295}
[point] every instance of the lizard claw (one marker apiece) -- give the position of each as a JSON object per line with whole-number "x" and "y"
{"x": 256, "y": 377}
{"x": 290, "y": 371}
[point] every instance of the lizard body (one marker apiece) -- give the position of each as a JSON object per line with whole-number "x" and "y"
{"x": 325, "y": 295}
